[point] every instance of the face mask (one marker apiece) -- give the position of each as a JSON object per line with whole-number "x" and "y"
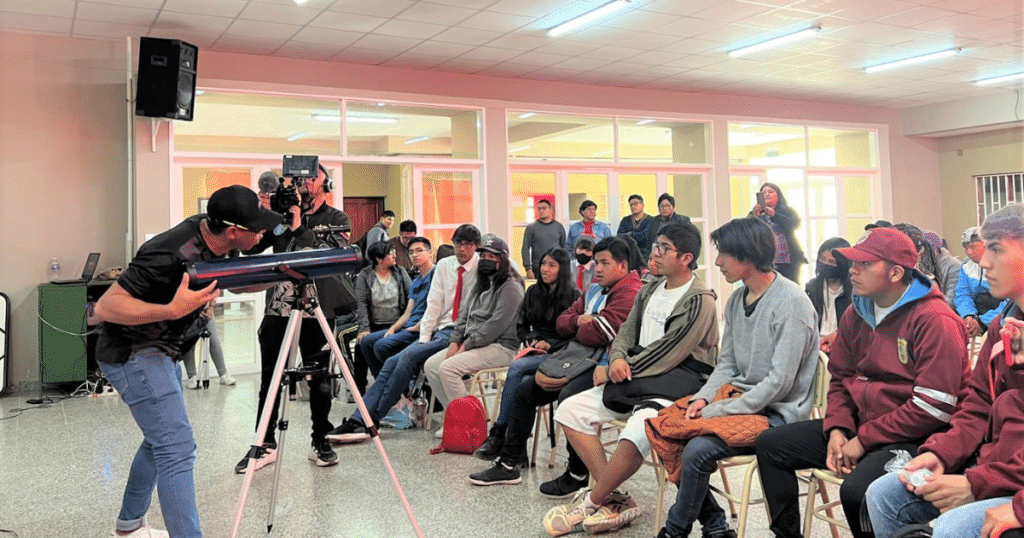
{"x": 829, "y": 271}
{"x": 583, "y": 259}
{"x": 487, "y": 268}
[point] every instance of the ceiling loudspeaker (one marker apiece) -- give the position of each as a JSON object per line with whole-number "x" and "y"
{"x": 167, "y": 79}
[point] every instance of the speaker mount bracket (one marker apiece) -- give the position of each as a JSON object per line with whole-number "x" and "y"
{"x": 154, "y": 127}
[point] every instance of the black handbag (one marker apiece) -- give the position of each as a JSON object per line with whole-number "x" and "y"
{"x": 676, "y": 383}
{"x": 567, "y": 364}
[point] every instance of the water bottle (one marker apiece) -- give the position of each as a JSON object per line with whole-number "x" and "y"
{"x": 420, "y": 406}
{"x": 54, "y": 269}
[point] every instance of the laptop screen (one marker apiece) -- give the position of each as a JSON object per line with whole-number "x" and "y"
{"x": 90, "y": 266}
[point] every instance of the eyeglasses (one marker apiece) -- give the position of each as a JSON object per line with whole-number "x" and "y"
{"x": 662, "y": 248}
{"x": 415, "y": 251}
{"x": 465, "y": 244}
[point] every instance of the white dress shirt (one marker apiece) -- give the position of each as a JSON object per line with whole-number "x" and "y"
{"x": 441, "y": 298}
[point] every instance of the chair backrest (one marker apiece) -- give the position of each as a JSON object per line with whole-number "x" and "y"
{"x": 821, "y": 381}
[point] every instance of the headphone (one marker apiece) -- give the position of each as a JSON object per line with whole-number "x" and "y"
{"x": 328, "y": 182}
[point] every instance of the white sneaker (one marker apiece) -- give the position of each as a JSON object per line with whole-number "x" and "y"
{"x": 144, "y": 531}
{"x": 191, "y": 383}
{"x": 227, "y": 380}
{"x": 439, "y": 434}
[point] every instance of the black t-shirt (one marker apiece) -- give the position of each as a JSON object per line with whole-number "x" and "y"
{"x": 153, "y": 276}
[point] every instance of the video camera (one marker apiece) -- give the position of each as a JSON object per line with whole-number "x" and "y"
{"x": 283, "y": 197}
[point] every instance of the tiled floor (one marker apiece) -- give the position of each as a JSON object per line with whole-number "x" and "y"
{"x": 63, "y": 468}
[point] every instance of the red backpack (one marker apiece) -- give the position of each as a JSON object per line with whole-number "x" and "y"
{"x": 465, "y": 427}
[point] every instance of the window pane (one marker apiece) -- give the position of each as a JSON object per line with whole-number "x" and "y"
{"x": 517, "y": 246}
{"x": 644, "y": 140}
{"x": 447, "y": 198}
{"x": 390, "y": 130}
{"x": 527, "y": 189}
{"x": 822, "y": 197}
{"x": 438, "y": 237}
{"x": 742, "y": 194}
{"x": 588, "y": 187}
{"x": 645, "y": 185}
{"x": 239, "y": 123}
{"x": 835, "y": 147}
{"x": 560, "y": 137}
{"x": 855, "y": 228}
{"x": 198, "y": 183}
{"x": 858, "y": 194}
{"x": 752, "y": 143}
{"x": 688, "y": 191}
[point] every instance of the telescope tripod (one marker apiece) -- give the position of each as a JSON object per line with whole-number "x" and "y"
{"x": 204, "y": 364}
{"x": 305, "y": 301}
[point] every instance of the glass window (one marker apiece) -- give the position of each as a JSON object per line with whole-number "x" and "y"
{"x": 663, "y": 141}
{"x": 688, "y": 190}
{"x": 646, "y": 185}
{"x": 390, "y": 130}
{"x": 447, "y": 198}
{"x": 843, "y": 147}
{"x": 560, "y": 137}
{"x": 237, "y": 317}
{"x": 527, "y": 188}
{"x": 759, "y": 144}
{"x": 858, "y": 194}
{"x": 249, "y": 123}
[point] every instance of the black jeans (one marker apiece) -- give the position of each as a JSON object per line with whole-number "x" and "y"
{"x": 311, "y": 343}
{"x": 529, "y": 396}
{"x": 803, "y": 445}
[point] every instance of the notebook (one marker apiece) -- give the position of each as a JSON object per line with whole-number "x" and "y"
{"x": 87, "y": 272}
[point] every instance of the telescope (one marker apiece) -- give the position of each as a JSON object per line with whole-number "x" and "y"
{"x": 265, "y": 269}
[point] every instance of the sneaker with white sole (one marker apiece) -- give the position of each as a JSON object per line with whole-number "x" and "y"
{"x": 144, "y": 531}
{"x": 618, "y": 511}
{"x": 564, "y": 486}
{"x": 350, "y": 431}
{"x": 439, "y": 434}
{"x": 567, "y": 518}
{"x": 192, "y": 383}
{"x": 227, "y": 380}
{"x": 495, "y": 475}
{"x": 322, "y": 455}
{"x": 267, "y": 455}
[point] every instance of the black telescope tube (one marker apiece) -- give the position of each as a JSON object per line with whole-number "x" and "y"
{"x": 264, "y": 269}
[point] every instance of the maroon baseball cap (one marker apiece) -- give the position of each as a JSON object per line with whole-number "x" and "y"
{"x": 881, "y": 244}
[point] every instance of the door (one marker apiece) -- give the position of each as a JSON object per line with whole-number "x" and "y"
{"x": 365, "y": 212}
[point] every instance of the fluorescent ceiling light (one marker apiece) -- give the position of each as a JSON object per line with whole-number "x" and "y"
{"x": 914, "y": 60}
{"x": 776, "y": 42}
{"x": 200, "y": 92}
{"x": 645, "y": 122}
{"x": 417, "y": 139}
{"x": 525, "y": 115}
{"x": 587, "y": 17}
{"x": 517, "y": 150}
{"x": 296, "y": 136}
{"x": 999, "y": 80}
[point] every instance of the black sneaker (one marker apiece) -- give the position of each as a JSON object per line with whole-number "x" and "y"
{"x": 563, "y": 486}
{"x": 492, "y": 446}
{"x": 267, "y": 456}
{"x": 350, "y": 431}
{"x": 322, "y": 455}
{"x": 497, "y": 474}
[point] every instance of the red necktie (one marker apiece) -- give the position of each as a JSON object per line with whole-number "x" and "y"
{"x": 458, "y": 295}
{"x": 579, "y": 277}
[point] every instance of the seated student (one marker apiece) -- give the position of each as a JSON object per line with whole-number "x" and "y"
{"x": 381, "y": 291}
{"x": 485, "y": 334}
{"x": 665, "y": 350}
{"x": 830, "y": 290}
{"x": 381, "y": 345}
{"x": 978, "y": 463}
{"x": 898, "y": 366}
{"x": 769, "y": 351}
{"x": 592, "y": 321}
{"x": 583, "y": 266}
{"x": 947, "y": 267}
{"x": 974, "y": 302}
{"x": 536, "y": 328}
{"x": 453, "y": 279}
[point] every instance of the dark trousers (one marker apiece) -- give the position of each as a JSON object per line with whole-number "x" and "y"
{"x": 803, "y": 445}
{"x": 529, "y": 396}
{"x": 311, "y": 343}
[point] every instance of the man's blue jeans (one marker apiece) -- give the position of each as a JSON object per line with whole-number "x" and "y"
{"x": 397, "y": 372}
{"x": 892, "y": 506}
{"x": 150, "y": 383}
{"x": 378, "y": 348}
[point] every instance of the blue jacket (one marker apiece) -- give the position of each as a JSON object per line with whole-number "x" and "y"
{"x": 972, "y": 282}
{"x": 601, "y": 230}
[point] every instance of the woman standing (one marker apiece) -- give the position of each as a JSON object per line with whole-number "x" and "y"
{"x": 782, "y": 220}
{"x": 544, "y": 301}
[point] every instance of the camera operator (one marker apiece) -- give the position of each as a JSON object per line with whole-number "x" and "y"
{"x": 150, "y": 317}
{"x": 334, "y": 298}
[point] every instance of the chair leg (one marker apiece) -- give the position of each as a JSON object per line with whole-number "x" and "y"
{"x": 812, "y": 491}
{"x": 662, "y": 480}
{"x": 430, "y": 409}
{"x": 748, "y": 482}
{"x": 829, "y": 511}
{"x": 728, "y": 491}
{"x": 536, "y": 437}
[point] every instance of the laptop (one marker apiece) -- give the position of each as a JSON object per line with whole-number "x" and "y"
{"x": 87, "y": 272}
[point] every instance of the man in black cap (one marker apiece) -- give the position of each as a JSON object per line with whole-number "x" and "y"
{"x": 336, "y": 298}
{"x": 150, "y": 318}
{"x": 878, "y": 224}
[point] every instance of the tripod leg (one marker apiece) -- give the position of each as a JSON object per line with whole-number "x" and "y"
{"x": 204, "y": 368}
{"x": 287, "y": 392}
{"x": 291, "y": 334}
{"x": 336, "y": 353}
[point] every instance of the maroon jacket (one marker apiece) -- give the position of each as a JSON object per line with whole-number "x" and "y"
{"x": 901, "y": 380}
{"x": 990, "y": 423}
{"x": 602, "y": 330}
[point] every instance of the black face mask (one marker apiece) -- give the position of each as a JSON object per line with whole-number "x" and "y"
{"x": 583, "y": 259}
{"x": 829, "y": 271}
{"x": 487, "y": 268}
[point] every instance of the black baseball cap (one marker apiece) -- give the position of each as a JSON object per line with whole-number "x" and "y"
{"x": 239, "y": 206}
{"x": 878, "y": 224}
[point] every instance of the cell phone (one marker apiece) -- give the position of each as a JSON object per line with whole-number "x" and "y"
{"x": 760, "y": 199}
